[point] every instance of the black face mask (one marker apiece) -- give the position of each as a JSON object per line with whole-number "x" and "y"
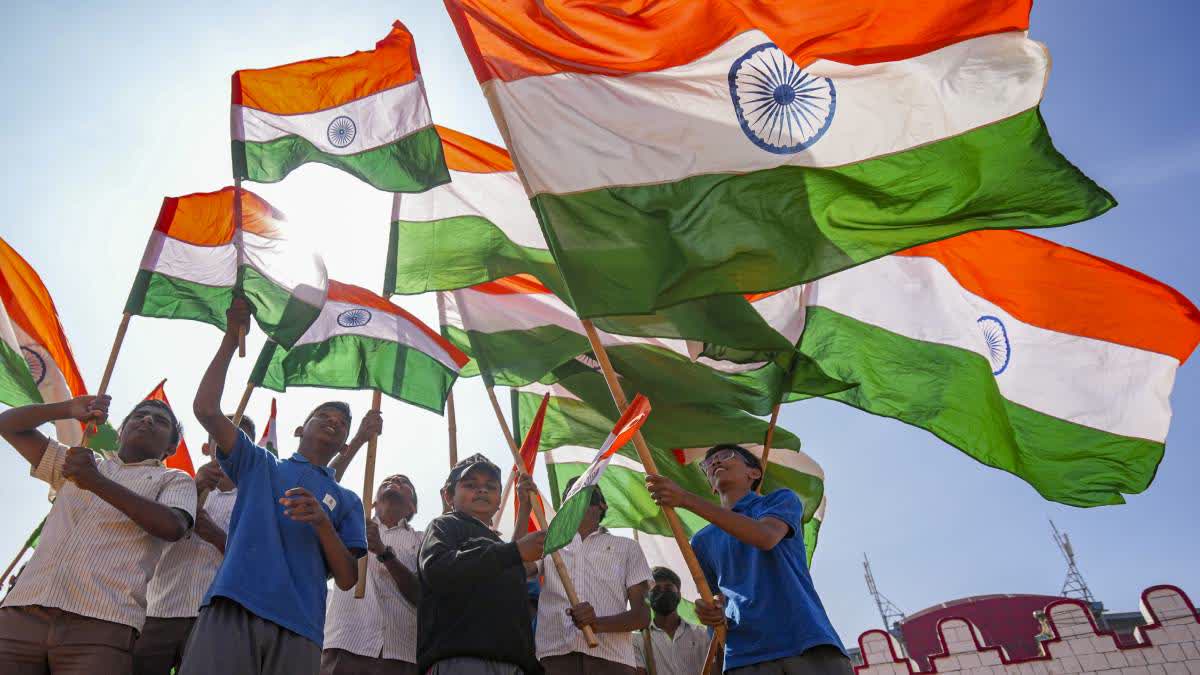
{"x": 663, "y": 601}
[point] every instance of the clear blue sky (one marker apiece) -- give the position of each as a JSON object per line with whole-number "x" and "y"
{"x": 108, "y": 110}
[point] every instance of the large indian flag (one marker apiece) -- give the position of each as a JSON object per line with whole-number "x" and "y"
{"x": 363, "y": 341}
{"x": 518, "y": 332}
{"x": 36, "y": 362}
{"x": 364, "y": 113}
{"x": 197, "y": 257}
{"x": 1031, "y": 357}
{"x": 704, "y": 147}
{"x": 578, "y": 419}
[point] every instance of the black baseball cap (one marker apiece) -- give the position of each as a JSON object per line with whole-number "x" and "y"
{"x": 474, "y": 461}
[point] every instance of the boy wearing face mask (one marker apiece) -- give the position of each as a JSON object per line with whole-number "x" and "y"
{"x": 677, "y": 647}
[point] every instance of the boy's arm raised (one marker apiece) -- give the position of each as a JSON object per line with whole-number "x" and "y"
{"x": 762, "y": 533}
{"x": 207, "y": 406}
{"x": 19, "y": 426}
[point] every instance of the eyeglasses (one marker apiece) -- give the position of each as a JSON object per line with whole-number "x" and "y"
{"x": 719, "y": 456}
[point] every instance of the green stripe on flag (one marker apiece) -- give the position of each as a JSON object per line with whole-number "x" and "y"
{"x": 280, "y": 314}
{"x": 17, "y": 386}
{"x": 565, "y": 524}
{"x": 411, "y": 164}
{"x": 631, "y": 250}
{"x": 159, "y": 296}
{"x": 952, "y": 393}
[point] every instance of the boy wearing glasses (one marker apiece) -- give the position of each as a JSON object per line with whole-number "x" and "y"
{"x": 753, "y": 554}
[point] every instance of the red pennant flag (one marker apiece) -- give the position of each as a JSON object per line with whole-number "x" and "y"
{"x": 529, "y": 450}
{"x": 181, "y": 459}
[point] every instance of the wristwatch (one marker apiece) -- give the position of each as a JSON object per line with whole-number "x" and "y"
{"x": 388, "y": 554}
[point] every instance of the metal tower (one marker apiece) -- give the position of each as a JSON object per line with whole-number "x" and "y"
{"x": 889, "y": 613}
{"x": 1074, "y": 586}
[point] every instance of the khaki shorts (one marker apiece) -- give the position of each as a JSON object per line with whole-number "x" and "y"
{"x": 36, "y": 640}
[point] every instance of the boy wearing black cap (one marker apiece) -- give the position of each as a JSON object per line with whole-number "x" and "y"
{"x": 474, "y": 612}
{"x": 752, "y": 552}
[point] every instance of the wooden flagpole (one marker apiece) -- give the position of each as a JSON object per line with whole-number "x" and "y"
{"x": 90, "y": 429}
{"x": 766, "y": 453}
{"x": 12, "y": 565}
{"x": 539, "y": 515}
{"x": 237, "y": 420}
{"x": 614, "y": 387}
{"x": 368, "y": 494}
{"x": 452, "y": 428}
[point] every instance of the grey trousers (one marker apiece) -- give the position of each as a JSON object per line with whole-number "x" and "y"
{"x": 228, "y": 639}
{"x": 819, "y": 660}
{"x": 466, "y": 665}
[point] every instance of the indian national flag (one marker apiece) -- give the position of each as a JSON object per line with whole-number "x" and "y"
{"x": 575, "y": 502}
{"x": 712, "y": 147}
{"x": 364, "y": 113}
{"x": 476, "y": 228}
{"x": 1031, "y": 357}
{"x": 579, "y": 419}
{"x": 36, "y": 362}
{"x": 362, "y": 341}
{"x": 270, "y": 435}
{"x": 197, "y": 257}
{"x": 517, "y": 332}
{"x": 180, "y": 459}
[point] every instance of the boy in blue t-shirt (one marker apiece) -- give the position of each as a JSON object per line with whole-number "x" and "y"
{"x": 753, "y": 555}
{"x": 292, "y": 528}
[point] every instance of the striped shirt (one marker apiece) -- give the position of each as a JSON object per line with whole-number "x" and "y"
{"x": 188, "y": 566}
{"x": 382, "y": 624}
{"x": 93, "y": 560}
{"x": 682, "y": 654}
{"x": 603, "y": 567}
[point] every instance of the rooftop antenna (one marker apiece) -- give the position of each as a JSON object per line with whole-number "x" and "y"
{"x": 889, "y": 613}
{"x": 1074, "y": 586}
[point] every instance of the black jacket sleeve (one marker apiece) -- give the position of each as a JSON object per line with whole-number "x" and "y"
{"x": 450, "y": 556}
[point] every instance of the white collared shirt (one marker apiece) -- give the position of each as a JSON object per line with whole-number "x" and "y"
{"x": 603, "y": 567}
{"x": 188, "y": 566}
{"x": 383, "y": 624}
{"x": 681, "y": 654}
{"x": 92, "y": 559}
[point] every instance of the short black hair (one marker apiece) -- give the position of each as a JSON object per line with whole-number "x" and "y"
{"x": 247, "y": 425}
{"x": 667, "y": 574}
{"x": 597, "y": 494}
{"x": 748, "y": 457}
{"x": 176, "y": 427}
{"x": 340, "y": 406}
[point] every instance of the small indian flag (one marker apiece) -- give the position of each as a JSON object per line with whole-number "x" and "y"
{"x": 364, "y": 113}
{"x": 36, "y": 363}
{"x": 566, "y": 522}
{"x": 270, "y": 436}
{"x": 180, "y": 459}
{"x": 197, "y": 258}
{"x": 363, "y": 341}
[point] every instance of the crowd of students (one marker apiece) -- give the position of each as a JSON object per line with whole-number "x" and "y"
{"x": 141, "y": 569}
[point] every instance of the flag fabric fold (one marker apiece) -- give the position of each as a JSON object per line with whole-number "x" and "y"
{"x": 36, "y": 361}
{"x": 722, "y": 147}
{"x": 270, "y": 435}
{"x": 179, "y": 459}
{"x": 363, "y": 341}
{"x": 197, "y": 259}
{"x": 1031, "y": 357}
{"x": 575, "y": 502}
{"x": 365, "y": 113}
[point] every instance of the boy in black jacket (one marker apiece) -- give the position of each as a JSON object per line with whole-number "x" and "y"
{"x": 474, "y": 616}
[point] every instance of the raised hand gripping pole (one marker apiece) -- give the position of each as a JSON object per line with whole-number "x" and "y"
{"x": 614, "y": 387}
{"x": 539, "y": 515}
{"x": 368, "y": 493}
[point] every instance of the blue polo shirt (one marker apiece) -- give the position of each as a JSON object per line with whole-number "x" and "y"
{"x": 273, "y": 565}
{"x": 771, "y": 606}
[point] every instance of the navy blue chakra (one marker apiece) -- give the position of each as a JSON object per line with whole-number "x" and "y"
{"x": 354, "y": 318}
{"x": 341, "y": 131}
{"x": 781, "y": 108}
{"x": 36, "y": 363}
{"x": 995, "y": 337}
